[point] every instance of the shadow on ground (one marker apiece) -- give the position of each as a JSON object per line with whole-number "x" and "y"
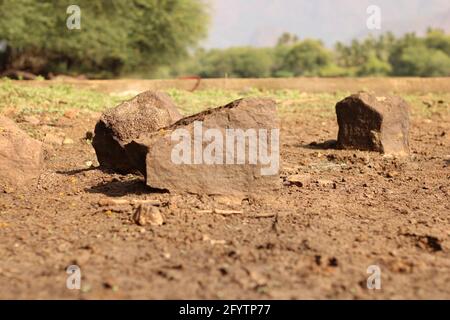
{"x": 76, "y": 171}
{"x": 326, "y": 145}
{"x": 120, "y": 188}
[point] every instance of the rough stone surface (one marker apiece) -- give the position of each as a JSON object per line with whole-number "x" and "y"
{"x": 145, "y": 113}
{"x": 152, "y": 153}
{"x": 21, "y": 157}
{"x": 368, "y": 122}
{"x": 147, "y": 214}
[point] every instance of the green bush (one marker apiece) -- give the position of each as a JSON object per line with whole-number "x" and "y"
{"x": 307, "y": 58}
{"x": 115, "y": 37}
{"x": 242, "y": 62}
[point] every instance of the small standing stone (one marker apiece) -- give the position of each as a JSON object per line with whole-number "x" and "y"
{"x": 368, "y": 122}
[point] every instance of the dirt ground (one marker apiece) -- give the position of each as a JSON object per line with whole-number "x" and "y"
{"x": 315, "y": 241}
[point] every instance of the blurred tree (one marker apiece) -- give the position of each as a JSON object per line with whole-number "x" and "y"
{"x": 414, "y": 56}
{"x": 374, "y": 66}
{"x": 306, "y": 58}
{"x": 115, "y": 37}
{"x": 437, "y": 39}
{"x": 243, "y": 62}
{"x": 373, "y": 56}
{"x": 421, "y": 61}
{"x": 287, "y": 39}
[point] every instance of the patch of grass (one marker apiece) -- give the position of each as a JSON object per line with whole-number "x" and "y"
{"x": 58, "y": 98}
{"x": 55, "y": 99}
{"x": 427, "y": 105}
{"x": 289, "y": 101}
{"x": 294, "y": 102}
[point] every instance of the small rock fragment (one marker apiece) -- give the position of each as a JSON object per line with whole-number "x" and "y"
{"x": 147, "y": 214}
{"x": 89, "y": 135}
{"x": 67, "y": 141}
{"x": 326, "y": 183}
{"x": 299, "y": 180}
{"x": 228, "y": 200}
{"x": 392, "y": 174}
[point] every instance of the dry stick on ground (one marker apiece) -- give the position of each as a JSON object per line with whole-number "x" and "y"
{"x": 227, "y": 212}
{"x": 220, "y": 211}
{"x": 264, "y": 215}
{"x": 112, "y": 202}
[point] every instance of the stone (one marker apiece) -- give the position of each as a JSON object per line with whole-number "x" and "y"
{"x": 21, "y": 157}
{"x": 147, "y": 214}
{"x": 145, "y": 113}
{"x": 67, "y": 141}
{"x": 326, "y": 183}
{"x": 53, "y": 139}
{"x": 299, "y": 180}
{"x": 371, "y": 123}
{"x": 199, "y": 154}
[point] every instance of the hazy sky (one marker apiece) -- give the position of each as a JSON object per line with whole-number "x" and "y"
{"x": 260, "y": 22}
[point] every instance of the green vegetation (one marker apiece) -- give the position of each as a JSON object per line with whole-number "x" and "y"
{"x": 116, "y": 37}
{"x": 289, "y": 101}
{"x": 386, "y": 55}
{"x": 56, "y": 99}
{"x": 159, "y": 39}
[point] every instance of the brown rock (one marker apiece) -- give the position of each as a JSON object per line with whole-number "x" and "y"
{"x": 145, "y": 113}
{"x": 147, "y": 214}
{"x": 67, "y": 141}
{"x": 367, "y": 122}
{"x": 21, "y": 157}
{"x": 326, "y": 183}
{"x": 299, "y": 180}
{"x": 205, "y": 168}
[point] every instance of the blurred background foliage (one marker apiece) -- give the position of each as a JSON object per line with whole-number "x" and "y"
{"x": 116, "y": 37}
{"x": 159, "y": 39}
{"x": 386, "y": 55}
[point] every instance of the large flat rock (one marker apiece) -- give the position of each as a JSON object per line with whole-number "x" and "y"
{"x": 230, "y": 150}
{"x": 373, "y": 123}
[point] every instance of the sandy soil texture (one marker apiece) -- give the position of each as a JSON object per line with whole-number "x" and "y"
{"x": 355, "y": 209}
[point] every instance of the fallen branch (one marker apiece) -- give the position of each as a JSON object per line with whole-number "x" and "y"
{"x": 220, "y": 211}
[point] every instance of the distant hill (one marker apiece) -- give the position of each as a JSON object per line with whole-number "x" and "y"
{"x": 260, "y": 22}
